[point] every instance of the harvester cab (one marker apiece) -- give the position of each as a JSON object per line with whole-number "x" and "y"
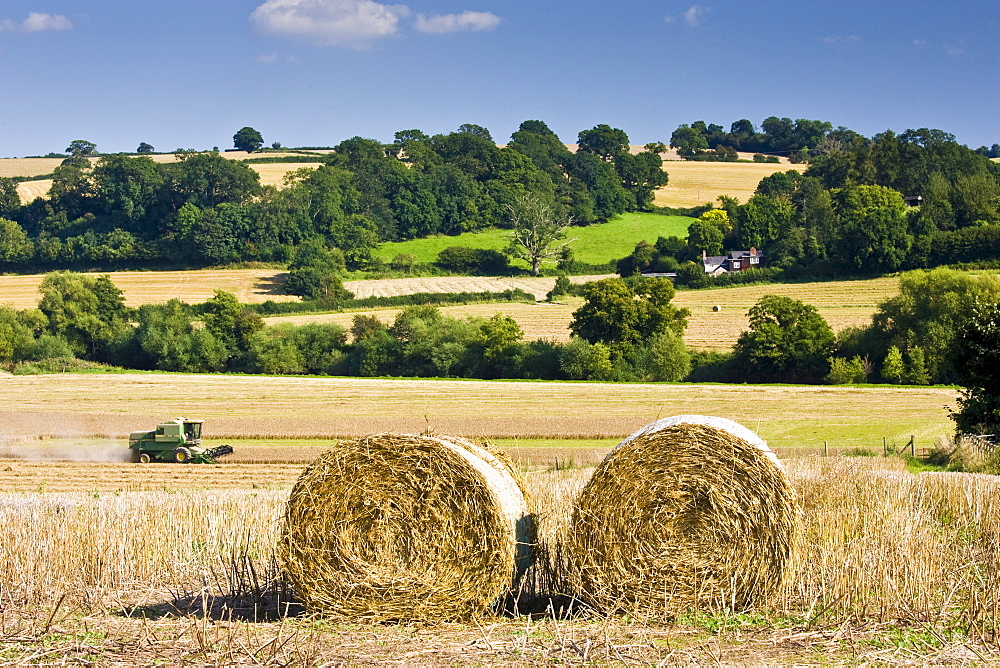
{"x": 176, "y": 440}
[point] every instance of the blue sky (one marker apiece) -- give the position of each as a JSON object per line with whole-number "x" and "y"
{"x": 189, "y": 73}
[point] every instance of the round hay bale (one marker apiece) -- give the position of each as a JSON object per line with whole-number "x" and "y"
{"x": 402, "y": 527}
{"x": 716, "y": 308}
{"x": 690, "y": 511}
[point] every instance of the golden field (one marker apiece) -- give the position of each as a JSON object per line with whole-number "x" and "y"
{"x": 253, "y": 407}
{"x": 695, "y": 183}
{"x": 271, "y": 174}
{"x": 841, "y": 303}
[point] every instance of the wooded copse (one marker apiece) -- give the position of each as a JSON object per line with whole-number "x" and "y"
{"x": 861, "y": 206}
{"x": 208, "y": 210}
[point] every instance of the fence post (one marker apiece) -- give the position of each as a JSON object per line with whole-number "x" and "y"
{"x": 913, "y": 446}
{"x": 885, "y": 448}
{"x": 826, "y": 450}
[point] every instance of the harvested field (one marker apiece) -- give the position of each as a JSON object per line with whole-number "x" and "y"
{"x": 29, "y": 191}
{"x": 694, "y": 183}
{"x": 256, "y": 407}
{"x": 391, "y": 287}
{"x": 145, "y": 287}
{"x": 29, "y": 476}
{"x": 539, "y": 321}
{"x": 273, "y": 173}
{"x": 841, "y": 303}
{"x": 190, "y": 582}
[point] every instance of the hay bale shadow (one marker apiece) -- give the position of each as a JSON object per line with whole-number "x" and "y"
{"x": 272, "y": 604}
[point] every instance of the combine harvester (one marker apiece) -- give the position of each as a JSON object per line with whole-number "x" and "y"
{"x": 174, "y": 441}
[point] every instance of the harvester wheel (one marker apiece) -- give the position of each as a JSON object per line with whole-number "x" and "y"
{"x": 182, "y": 455}
{"x": 144, "y": 458}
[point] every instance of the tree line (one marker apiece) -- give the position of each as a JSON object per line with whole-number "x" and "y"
{"x": 205, "y": 209}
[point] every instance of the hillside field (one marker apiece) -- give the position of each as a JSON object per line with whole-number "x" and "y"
{"x": 842, "y": 303}
{"x": 695, "y": 183}
{"x": 592, "y": 244}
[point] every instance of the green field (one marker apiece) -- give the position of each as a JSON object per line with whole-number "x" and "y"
{"x": 593, "y": 244}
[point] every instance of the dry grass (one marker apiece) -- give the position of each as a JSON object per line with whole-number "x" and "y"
{"x": 311, "y": 407}
{"x": 889, "y": 567}
{"x": 391, "y": 287}
{"x": 273, "y": 174}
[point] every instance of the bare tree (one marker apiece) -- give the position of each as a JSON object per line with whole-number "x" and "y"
{"x": 539, "y": 231}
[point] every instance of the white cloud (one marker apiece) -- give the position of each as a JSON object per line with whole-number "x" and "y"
{"x": 919, "y": 42}
{"x": 37, "y": 22}
{"x": 841, "y": 39}
{"x": 267, "y": 57}
{"x": 695, "y": 15}
{"x": 954, "y": 50}
{"x": 445, "y": 23}
{"x": 351, "y": 22}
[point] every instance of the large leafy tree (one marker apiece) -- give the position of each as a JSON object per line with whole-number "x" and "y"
{"x": 627, "y": 312}
{"x": 931, "y": 307}
{"x": 787, "y": 340}
{"x": 976, "y": 357}
{"x": 14, "y": 243}
{"x": 873, "y": 234}
{"x": 247, "y": 139}
{"x": 89, "y": 312}
{"x": 603, "y": 141}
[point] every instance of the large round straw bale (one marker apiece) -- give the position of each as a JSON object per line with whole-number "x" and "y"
{"x": 688, "y": 511}
{"x": 404, "y": 527}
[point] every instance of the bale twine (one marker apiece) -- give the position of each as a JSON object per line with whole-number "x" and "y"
{"x": 690, "y": 511}
{"x": 403, "y": 527}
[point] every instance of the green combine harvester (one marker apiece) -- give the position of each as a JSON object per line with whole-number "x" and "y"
{"x": 174, "y": 441}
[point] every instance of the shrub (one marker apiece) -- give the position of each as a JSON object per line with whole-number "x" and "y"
{"x": 464, "y": 260}
{"x": 847, "y": 371}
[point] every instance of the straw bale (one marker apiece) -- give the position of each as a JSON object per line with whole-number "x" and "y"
{"x": 688, "y": 512}
{"x": 400, "y": 527}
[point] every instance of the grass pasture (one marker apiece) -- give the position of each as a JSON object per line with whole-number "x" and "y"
{"x": 593, "y": 244}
